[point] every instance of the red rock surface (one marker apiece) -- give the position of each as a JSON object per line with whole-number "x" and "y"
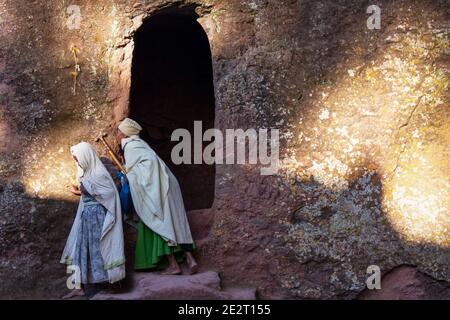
{"x": 363, "y": 118}
{"x": 201, "y": 286}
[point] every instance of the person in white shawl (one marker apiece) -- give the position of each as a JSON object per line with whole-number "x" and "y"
{"x": 163, "y": 231}
{"x": 95, "y": 243}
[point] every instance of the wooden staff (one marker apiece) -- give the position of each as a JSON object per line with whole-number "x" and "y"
{"x": 111, "y": 152}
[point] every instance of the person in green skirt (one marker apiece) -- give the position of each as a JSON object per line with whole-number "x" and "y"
{"x": 164, "y": 237}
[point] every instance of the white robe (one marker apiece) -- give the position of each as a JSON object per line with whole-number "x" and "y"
{"x": 155, "y": 192}
{"x": 99, "y": 183}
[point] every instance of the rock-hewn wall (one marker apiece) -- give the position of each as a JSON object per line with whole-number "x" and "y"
{"x": 364, "y": 123}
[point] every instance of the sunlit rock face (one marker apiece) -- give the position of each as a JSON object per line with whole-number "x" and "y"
{"x": 364, "y": 130}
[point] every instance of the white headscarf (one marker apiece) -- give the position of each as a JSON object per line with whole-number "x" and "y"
{"x": 99, "y": 183}
{"x": 91, "y": 170}
{"x": 129, "y": 127}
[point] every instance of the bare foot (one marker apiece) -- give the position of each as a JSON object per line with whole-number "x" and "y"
{"x": 173, "y": 270}
{"x": 192, "y": 264}
{"x": 74, "y": 293}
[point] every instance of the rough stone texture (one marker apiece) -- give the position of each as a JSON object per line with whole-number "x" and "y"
{"x": 200, "y": 286}
{"x": 200, "y": 222}
{"x": 364, "y": 122}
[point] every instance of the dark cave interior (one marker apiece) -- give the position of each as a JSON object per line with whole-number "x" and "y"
{"x": 171, "y": 87}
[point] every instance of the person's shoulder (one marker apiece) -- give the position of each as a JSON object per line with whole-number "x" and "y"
{"x": 138, "y": 143}
{"x": 132, "y": 142}
{"x": 136, "y": 139}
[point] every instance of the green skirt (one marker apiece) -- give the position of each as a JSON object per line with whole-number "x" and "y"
{"x": 151, "y": 250}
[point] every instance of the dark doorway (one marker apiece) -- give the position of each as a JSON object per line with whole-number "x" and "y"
{"x": 171, "y": 87}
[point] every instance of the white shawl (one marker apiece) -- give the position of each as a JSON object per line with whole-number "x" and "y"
{"x": 98, "y": 182}
{"x": 155, "y": 192}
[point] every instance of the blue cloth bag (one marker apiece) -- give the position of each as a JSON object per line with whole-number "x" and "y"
{"x": 125, "y": 195}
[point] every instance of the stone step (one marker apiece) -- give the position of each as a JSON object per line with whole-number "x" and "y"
{"x": 200, "y": 286}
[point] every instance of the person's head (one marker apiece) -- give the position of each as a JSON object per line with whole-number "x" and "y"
{"x": 127, "y": 128}
{"x": 85, "y": 156}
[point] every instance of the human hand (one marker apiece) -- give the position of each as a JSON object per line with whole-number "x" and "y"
{"x": 75, "y": 190}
